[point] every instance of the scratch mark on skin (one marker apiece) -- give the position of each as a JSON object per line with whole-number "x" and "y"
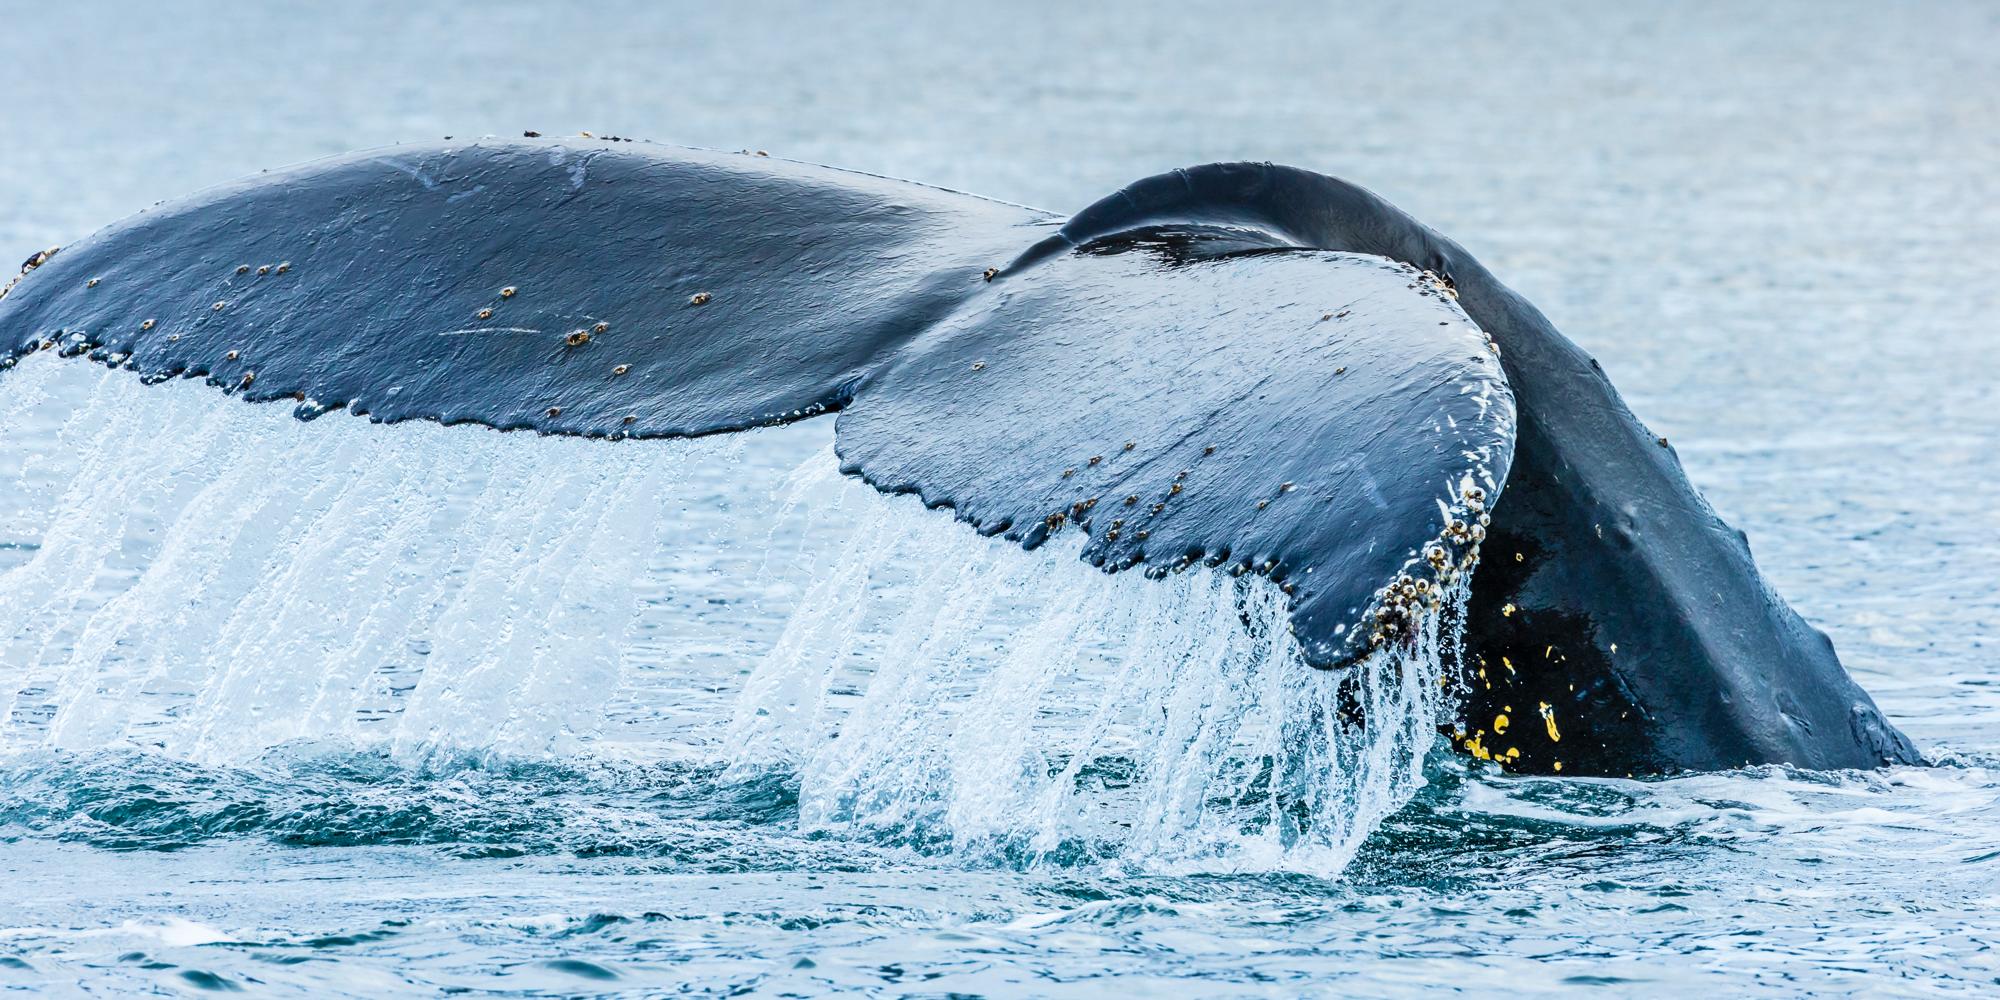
{"x": 430, "y": 183}
{"x": 488, "y": 329}
{"x": 1372, "y": 488}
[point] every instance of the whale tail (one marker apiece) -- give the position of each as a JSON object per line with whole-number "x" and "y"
{"x": 1245, "y": 366}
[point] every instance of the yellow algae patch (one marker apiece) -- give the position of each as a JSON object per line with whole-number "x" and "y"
{"x": 1500, "y": 723}
{"x": 1549, "y": 718}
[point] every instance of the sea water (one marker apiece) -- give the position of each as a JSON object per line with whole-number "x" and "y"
{"x": 334, "y": 708}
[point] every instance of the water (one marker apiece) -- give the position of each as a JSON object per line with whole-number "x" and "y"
{"x": 330, "y": 708}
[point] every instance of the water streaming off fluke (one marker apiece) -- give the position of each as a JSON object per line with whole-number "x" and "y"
{"x": 1034, "y": 710}
{"x": 210, "y": 580}
{"x": 216, "y": 579}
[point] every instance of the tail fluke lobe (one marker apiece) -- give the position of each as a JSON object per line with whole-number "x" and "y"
{"x": 574, "y": 287}
{"x": 1299, "y": 414}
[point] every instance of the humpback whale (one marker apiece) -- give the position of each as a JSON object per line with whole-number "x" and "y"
{"x": 1242, "y": 366}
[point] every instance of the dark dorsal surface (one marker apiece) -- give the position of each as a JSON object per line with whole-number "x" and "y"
{"x": 627, "y": 289}
{"x": 506, "y": 282}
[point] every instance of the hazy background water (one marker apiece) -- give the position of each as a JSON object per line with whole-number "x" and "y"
{"x": 1775, "y": 226}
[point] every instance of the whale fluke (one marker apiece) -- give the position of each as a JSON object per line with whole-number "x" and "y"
{"x": 1243, "y": 365}
{"x": 1180, "y": 396}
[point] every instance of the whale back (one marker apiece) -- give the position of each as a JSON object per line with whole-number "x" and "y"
{"x": 1618, "y": 625}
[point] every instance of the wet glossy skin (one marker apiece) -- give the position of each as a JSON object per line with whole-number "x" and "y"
{"x": 1316, "y": 418}
{"x": 1329, "y": 421}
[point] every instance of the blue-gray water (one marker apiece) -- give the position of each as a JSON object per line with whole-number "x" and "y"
{"x": 1775, "y": 226}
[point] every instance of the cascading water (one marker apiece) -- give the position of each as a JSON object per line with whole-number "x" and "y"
{"x": 209, "y": 580}
{"x": 218, "y": 579}
{"x": 1033, "y": 709}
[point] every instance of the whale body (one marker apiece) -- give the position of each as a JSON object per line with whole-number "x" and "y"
{"x": 1245, "y": 366}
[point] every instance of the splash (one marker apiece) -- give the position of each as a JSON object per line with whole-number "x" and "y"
{"x": 214, "y": 579}
{"x": 211, "y": 580}
{"x": 1032, "y": 710}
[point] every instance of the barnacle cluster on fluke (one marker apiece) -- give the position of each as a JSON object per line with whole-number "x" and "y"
{"x": 1243, "y": 366}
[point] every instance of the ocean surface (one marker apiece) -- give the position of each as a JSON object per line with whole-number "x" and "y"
{"x": 333, "y": 709}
